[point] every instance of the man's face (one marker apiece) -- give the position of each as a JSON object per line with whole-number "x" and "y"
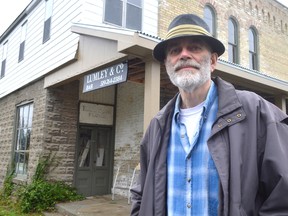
{"x": 189, "y": 63}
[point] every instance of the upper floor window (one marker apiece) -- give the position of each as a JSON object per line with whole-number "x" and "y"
{"x": 22, "y": 139}
{"x": 125, "y": 13}
{"x": 210, "y": 19}
{"x": 47, "y": 21}
{"x": 4, "y": 57}
{"x": 233, "y": 45}
{"x": 22, "y": 41}
{"x": 253, "y": 55}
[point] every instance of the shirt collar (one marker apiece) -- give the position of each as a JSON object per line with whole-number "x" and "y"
{"x": 211, "y": 96}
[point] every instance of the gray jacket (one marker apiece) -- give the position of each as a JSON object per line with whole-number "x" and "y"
{"x": 249, "y": 145}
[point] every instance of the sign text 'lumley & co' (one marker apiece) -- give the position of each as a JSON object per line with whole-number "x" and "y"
{"x": 106, "y": 77}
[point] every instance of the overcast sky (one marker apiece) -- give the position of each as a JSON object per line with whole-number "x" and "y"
{"x": 10, "y": 9}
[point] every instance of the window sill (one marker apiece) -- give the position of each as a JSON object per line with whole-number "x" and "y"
{"x": 20, "y": 179}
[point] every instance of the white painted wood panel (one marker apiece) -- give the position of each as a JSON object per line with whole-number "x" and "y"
{"x": 150, "y": 17}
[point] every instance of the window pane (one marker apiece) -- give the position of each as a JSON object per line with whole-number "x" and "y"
{"x": 20, "y": 118}
{"x": 25, "y": 115}
{"x": 231, "y": 31}
{"x": 5, "y": 48}
{"x": 47, "y": 28}
{"x": 209, "y": 18}
{"x": 20, "y": 163}
{"x": 135, "y": 2}
{"x": 24, "y": 125}
{"x": 113, "y": 11}
{"x": 230, "y": 53}
{"x": 21, "y": 51}
{"x": 251, "y": 60}
{"x": 18, "y": 141}
{"x": 84, "y": 147}
{"x": 23, "y": 133}
{"x": 251, "y": 41}
{"x": 3, "y": 68}
{"x": 23, "y": 32}
{"x": 134, "y": 17}
{"x": 30, "y": 116}
{"x": 48, "y": 9}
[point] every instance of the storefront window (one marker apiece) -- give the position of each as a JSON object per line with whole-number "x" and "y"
{"x": 23, "y": 133}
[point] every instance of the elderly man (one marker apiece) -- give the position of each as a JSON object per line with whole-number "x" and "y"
{"x": 212, "y": 150}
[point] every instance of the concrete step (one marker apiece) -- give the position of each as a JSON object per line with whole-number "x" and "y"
{"x": 93, "y": 206}
{"x": 53, "y": 214}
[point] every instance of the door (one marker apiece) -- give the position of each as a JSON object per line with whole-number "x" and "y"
{"x": 94, "y": 162}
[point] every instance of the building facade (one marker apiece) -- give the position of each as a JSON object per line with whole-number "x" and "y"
{"x": 78, "y": 79}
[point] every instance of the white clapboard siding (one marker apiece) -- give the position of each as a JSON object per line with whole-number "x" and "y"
{"x": 150, "y": 17}
{"x": 41, "y": 58}
{"x": 93, "y": 12}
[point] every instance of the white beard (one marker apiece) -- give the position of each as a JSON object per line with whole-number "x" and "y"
{"x": 189, "y": 80}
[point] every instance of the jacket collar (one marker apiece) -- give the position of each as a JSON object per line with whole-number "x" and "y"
{"x": 228, "y": 100}
{"x": 228, "y": 103}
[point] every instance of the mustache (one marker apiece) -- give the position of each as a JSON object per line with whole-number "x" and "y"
{"x": 187, "y": 63}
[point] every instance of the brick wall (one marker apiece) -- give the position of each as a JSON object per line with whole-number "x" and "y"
{"x": 268, "y": 17}
{"x": 129, "y": 121}
{"x": 129, "y": 131}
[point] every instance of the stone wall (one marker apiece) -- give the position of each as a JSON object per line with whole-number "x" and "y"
{"x": 8, "y": 105}
{"x": 61, "y": 129}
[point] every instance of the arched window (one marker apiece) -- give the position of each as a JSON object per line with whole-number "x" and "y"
{"x": 253, "y": 47}
{"x": 210, "y": 19}
{"x": 233, "y": 45}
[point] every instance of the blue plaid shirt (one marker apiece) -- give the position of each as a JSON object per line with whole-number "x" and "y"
{"x": 192, "y": 186}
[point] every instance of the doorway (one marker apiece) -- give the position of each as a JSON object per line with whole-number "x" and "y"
{"x": 94, "y": 160}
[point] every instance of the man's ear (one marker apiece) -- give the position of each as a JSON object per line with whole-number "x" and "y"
{"x": 214, "y": 59}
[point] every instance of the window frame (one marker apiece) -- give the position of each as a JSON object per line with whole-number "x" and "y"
{"x": 4, "y": 57}
{"x": 211, "y": 23}
{"x": 47, "y": 20}
{"x": 123, "y": 13}
{"x": 22, "y": 41}
{"x": 233, "y": 46}
{"x": 21, "y": 168}
{"x": 253, "y": 54}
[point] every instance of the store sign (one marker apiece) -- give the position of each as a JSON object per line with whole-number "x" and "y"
{"x": 106, "y": 77}
{"x": 96, "y": 114}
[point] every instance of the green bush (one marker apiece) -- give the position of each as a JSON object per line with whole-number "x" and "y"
{"x": 42, "y": 195}
{"x": 8, "y": 186}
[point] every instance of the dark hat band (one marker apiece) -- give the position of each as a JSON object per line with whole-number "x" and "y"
{"x": 186, "y": 29}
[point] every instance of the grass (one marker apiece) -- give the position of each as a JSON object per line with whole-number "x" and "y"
{"x": 7, "y": 209}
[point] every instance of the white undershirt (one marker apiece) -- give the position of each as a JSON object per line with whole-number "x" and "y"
{"x": 190, "y": 118}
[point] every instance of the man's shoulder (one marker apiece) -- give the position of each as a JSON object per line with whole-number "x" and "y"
{"x": 254, "y": 102}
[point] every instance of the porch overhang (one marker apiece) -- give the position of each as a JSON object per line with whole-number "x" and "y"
{"x": 107, "y": 45}
{"x": 129, "y": 42}
{"x": 252, "y": 80}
